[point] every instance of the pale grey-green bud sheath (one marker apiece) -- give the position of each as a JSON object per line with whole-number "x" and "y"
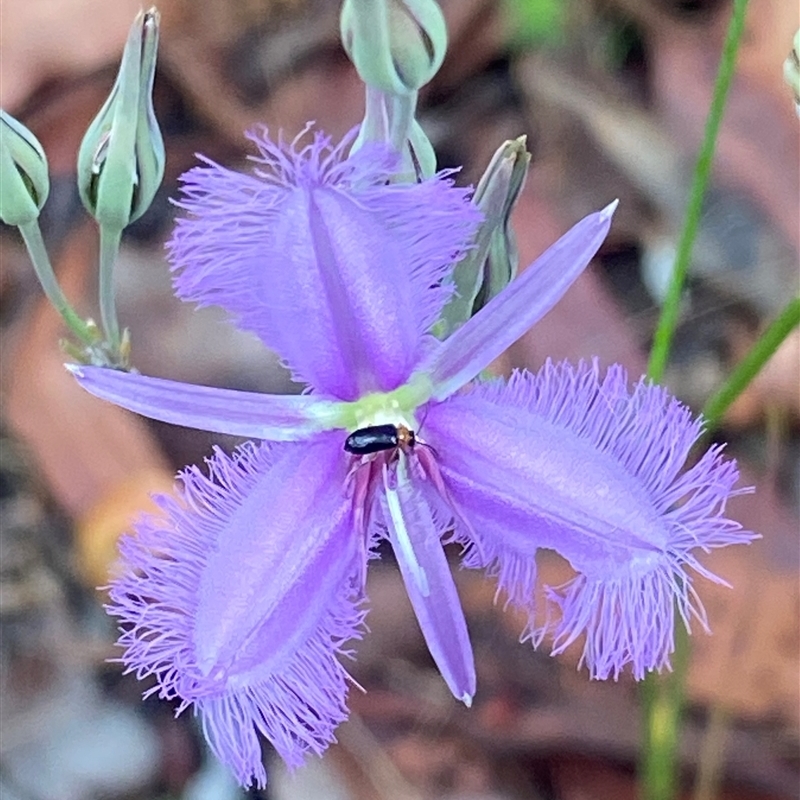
{"x": 492, "y": 263}
{"x": 396, "y": 45}
{"x": 121, "y": 158}
{"x": 24, "y": 180}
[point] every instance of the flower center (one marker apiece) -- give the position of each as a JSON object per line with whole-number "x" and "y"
{"x": 387, "y": 408}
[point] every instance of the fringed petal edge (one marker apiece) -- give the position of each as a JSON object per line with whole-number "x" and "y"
{"x": 627, "y": 614}
{"x": 155, "y": 598}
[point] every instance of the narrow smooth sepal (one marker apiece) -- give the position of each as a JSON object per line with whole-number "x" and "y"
{"x": 487, "y": 335}
{"x": 237, "y": 413}
{"x": 416, "y": 539}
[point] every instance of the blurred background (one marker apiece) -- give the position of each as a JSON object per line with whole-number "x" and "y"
{"x": 612, "y": 95}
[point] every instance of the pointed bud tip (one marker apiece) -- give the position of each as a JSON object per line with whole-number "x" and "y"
{"x": 75, "y": 369}
{"x": 466, "y": 699}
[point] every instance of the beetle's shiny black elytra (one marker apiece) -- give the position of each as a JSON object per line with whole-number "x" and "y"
{"x": 376, "y": 438}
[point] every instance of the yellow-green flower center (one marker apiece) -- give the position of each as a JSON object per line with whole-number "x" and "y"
{"x": 379, "y": 408}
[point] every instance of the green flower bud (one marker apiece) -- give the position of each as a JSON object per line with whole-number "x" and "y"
{"x": 121, "y": 159}
{"x": 24, "y": 180}
{"x": 396, "y": 45}
{"x": 492, "y": 263}
{"x": 496, "y": 195}
{"x": 791, "y": 70}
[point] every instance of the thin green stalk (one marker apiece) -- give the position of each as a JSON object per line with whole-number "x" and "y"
{"x": 32, "y": 236}
{"x": 662, "y": 701}
{"x": 109, "y": 249}
{"x": 669, "y": 314}
{"x": 711, "y": 762}
{"x": 751, "y": 364}
{"x": 662, "y": 698}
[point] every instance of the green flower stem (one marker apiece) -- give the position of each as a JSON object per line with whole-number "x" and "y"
{"x": 751, "y": 364}
{"x": 402, "y": 108}
{"x": 669, "y": 314}
{"x": 32, "y": 236}
{"x": 662, "y": 697}
{"x": 662, "y": 701}
{"x": 109, "y": 249}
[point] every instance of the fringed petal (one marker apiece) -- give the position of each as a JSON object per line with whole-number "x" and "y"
{"x": 583, "y": 466}
{"x": 261, "y": 416}
{"x": 416, "y": 531}
{"x": 334, "y": 267}
{"x": 240, "y": 600}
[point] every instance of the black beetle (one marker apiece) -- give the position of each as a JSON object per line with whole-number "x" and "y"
{"x": 376, "y": 438}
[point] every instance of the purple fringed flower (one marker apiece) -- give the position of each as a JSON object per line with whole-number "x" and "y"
{"x": 241, "y": 599}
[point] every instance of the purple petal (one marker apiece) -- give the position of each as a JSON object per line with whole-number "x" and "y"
{"x": 336, "y": 269}
{"x": 517, "y": 308}
{"x": 240, "y": 599}
{"x": 417, "y": 542}
{"x": 592, "y": 470}
{"x": 262, "y": 416}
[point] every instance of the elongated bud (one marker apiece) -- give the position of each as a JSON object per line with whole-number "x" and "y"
{"x": 24, "y": 180}
{"x": 121, "y": 159}
{"x": 496, "y": 195}
{"x": 791, "y": 71}
{"x": 396, "y": 45}
{"x": 492, "y": 263}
